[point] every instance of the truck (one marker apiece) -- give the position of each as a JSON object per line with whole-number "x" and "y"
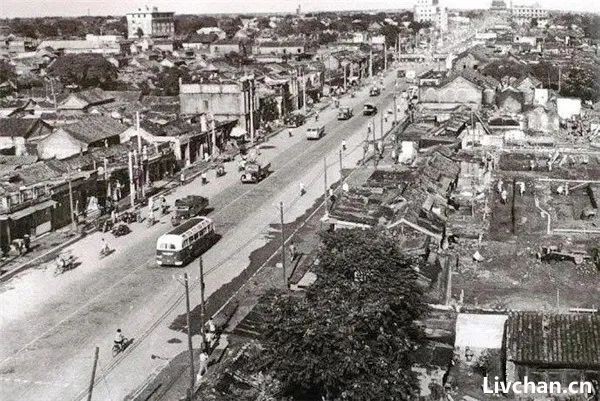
{"x": 345, "y": 113}
{"x": 255, "y": 171}
{"x": 188, "y": 207}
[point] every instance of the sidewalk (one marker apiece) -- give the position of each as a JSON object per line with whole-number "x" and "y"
{"x": 48, "y": 246}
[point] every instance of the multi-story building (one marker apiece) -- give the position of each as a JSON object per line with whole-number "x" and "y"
{"x": 525, "y": 13}
{"x": 498, "y": 5}
{"x": 223, "y": 100}
{"x": 431, "y": 11}
{"x": 150, "y": 23}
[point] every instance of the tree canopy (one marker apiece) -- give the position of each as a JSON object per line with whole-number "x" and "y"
{"x": 84, "y": 70}
{"x": 353, "y": 335}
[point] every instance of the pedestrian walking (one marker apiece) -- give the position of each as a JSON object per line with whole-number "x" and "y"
{"x": 292, "y": 249}
{"x": 504, "y": 196}
{"x": 203, "y": 365}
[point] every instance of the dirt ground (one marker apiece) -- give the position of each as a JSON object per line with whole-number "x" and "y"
{"x": 510, "y": 276}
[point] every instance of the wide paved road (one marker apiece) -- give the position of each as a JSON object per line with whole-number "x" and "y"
{"x": 50, "y": 325}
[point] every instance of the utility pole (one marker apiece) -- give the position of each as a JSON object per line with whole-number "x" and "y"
{"x": 341, "y": 166}
{"x": 93, "y": 378}
{"x": 202, "y": 306}
{"x": 395, "y": 111}
{"x": 559, "y": 78}
{"x": 304, "y": 91}
{"x": 384, "y": 56}
{"x": 325, "y": 175}
{"x": 139, "y": 150}
{"x": 345, "y": 79}
{"x": 189, "y": 334}
{"x": 73, "y": 223}
{"x": 251, "y": 103}
{"x": 53, "y": 95}
{"x": 285, "y": 281}
{"x": 131, "y": 179}
{"x": 371, "y": 63}
{"x": 381, "y": 125}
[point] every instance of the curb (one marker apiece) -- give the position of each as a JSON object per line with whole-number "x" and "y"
{"x": 40, "y": 259}
{"x": 166, "y": 188}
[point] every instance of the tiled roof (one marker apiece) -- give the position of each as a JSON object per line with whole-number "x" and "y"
{"x": 93, "y": 96}
{"x": 553, "y": 339}
{"x": 94, "y": 128}
{"x": 17, "y": 127}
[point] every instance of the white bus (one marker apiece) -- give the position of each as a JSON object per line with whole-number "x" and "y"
{"x": 185, "y": 242}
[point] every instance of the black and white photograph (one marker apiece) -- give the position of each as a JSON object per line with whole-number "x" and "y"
{"x": 299, "y": 200}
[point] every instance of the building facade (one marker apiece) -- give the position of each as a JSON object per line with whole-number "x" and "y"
{"x": 223, "y": 100}
{"x": 149, "y": 22}
{"x": 431, "y": 11}
{"x": 524, "y": 13}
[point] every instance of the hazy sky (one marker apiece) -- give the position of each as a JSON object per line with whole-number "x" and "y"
{"x": 39, "y": 8}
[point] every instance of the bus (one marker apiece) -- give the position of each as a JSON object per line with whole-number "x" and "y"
{"x": 185, "y": 242}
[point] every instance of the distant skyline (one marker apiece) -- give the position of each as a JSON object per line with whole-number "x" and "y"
{"x": 42, "y": 8}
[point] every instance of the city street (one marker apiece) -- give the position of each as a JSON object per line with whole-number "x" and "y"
{"x": 51, "y": 324}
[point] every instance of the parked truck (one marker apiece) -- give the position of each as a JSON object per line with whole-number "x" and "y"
{"x": 188, "y": 207}
{"x": 255, "y": 171}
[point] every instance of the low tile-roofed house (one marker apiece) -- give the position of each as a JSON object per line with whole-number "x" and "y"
{"x": 82, "y": 101}
{"x": 556, "y": 340}
{"x": 71, "y": 139}
{"x": 544, "y": 346}
{"x": 16, "y": 133}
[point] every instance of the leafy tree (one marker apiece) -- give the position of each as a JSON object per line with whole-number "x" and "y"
{"x": 7, "y": 72}
{"x": 85, "y": 70}
{"x": 353, "y": 335}
{"x": 582, "y": 81}
{"x": 391, "y": 34}
{"x": 168, "y": 80}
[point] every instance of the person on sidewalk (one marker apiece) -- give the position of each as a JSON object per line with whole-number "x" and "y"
{"x": 292, "y": 249}
{"x": 119, "y": 339}
{"x": 302, "y": 189}
{"x": 343, "y": 145}
{"x": 204, "y": 179}
{"x": 203, "y": 365}
{"x": 290, "y": 133}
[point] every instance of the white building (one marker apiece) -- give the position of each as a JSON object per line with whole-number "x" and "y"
{"x": 524, "y": 14}
{"x": 432, "y": 11}
{"x": 150, "y": 23}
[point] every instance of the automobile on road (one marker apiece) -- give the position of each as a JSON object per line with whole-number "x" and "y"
{"x": 375, "y": 91}
{"x": 345, "y": 113}
{"x": 369, "y": 109}
{"x": 185, "y": 242}
{"x": 315, "y": 132}
{"x": 188, "y": 207}
{"x": 294, "y": 120}
{"x": 255, "y": 171}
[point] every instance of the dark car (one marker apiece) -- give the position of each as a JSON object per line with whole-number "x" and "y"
{"x": 369, "y": 109}
{"x": 294, "y": 120}
{"x": 375, "y": 91}
{"x": 120, "y": 230}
